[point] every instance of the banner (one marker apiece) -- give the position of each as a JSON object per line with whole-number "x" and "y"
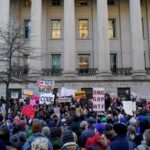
{"x": 46, "y": 98}
{"x": 129, "y": 107}
{"x": 98, "y": 99}
{"x": 46, "y": 86}
{"x": 80, "y": 94}
{"x": 64, "y": 100}
{"x": 28, "y": 111}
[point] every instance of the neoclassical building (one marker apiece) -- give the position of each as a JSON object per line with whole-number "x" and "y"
{"x": 85, "y": 43}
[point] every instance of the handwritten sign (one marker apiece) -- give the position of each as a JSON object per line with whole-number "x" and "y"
{"x": 64, "y": 100}
{"x": 46, "y": 98}
{"x": 98, "y": 99}
{"x": 80, "y": 94}
{"x": 129, "y": 107}
{"x": 28, "y": 111}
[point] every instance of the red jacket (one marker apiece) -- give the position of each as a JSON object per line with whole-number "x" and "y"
{"x": 97, "y": 141}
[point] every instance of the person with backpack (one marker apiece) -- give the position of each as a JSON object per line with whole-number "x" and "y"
{"x": 69, "y": 141}
{"x": 35, "y": 140}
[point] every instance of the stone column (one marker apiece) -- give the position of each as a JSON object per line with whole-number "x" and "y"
{"x": 4, "y": 13}
{"x": 69, "y": 38}
{"x": 102, "y": 38}
{"x": 4, "y": 27}
{"x": 136, "y": 38}
{"x": 36, "y": 36}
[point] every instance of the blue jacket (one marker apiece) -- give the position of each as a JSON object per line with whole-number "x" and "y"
{"x": 122, "y": 143}
{"x": 27, "y": 145}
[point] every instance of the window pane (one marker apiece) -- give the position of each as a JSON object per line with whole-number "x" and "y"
{"x": 84, "y": 61}
{"x": 112, "y": 28}
{"x": 27, "y": 2}
{"x": 25, "y": 59}
{"x": 56, "y": 2}
{"x": 113, "y": 62}
{"x": 56, "y": 62}
{"x": 83, "y": 29}
{"x": 56, "y": 29}
{"x": 82, "y": 2}
{"x": 27, "y": 29}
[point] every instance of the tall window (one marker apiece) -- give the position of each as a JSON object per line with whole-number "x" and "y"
{"x": 56, "y": 2}
{"x": 56, "y": 28}
{"x": 83, "y": 28}
{"x": 82, "y": 2}
{"x": 111, "y": 2}
{"x": 27, "y": 3}
{"x": 84, "y": 61}
{"x": 142, "y": 20}
{"x": 113, "y": 62}
{"x": 27, "y": 29}
{"x": 112, "y": 28}
{"x": 56, "y": 61}
{"x": 26, "y": 60}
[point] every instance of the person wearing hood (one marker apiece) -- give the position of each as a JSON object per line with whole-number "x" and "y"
{"x": 99, "y": 140}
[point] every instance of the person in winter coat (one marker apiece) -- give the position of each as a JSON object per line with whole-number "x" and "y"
{"x": 121, "y": 142}
{"x": 145, "y": 144}
{"x": 35, "y": 140}
{"x": 99, "y": 140}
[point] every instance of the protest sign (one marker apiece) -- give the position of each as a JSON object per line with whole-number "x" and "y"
{"x": 46, "y": 86}
{"x": 35, "y": 98}
{"x": 67, "y": 92}
{"x": 28, "y": 93}
{"x": 64, "y": 100}
{"x": 129, "y": 107}
{"x": 14, "y": 95}
{"x": 98, "y": 99}
{"x": 28, "y": 111}
{"x": 80, "y": 94}
{"x": 46, "y": 98}
{"x": 32, "y": 102}
{"x": 21, "y": 100}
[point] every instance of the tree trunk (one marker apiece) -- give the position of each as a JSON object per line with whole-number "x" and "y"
{"x": 7, "y": 100}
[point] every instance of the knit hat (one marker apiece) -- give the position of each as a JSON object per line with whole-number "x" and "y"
{"x": 46, "y": 131}
{"x": 83, "y": 124}
{"x": 100, "y": 127}
{"x": 67, "y": 136}
{"x": 120, "y": 129}
{"x": 103, "y": 120}
{"x": 36, "y": 127}
{"x": 123, "y": 120}
{"x": 91, "y": 120}
{"x": 133, "y": 121}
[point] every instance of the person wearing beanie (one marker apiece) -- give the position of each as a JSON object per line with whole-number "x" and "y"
{"x": 99, "y": 140}
{"x": 46, "y": 131}
{"x": 69, "y": 141}
{"x": 36, "y": 129}
{"x": 121, "y": 142}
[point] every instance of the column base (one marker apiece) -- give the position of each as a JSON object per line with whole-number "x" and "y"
{"x": 69, "y": 74}
{"x": 139, "y": 74}
{"x": 104, "y": 74}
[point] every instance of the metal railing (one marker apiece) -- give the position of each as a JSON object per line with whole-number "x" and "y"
{"x": 20, "y": 71}
{"x": 122, "y": 71}
{"x": 51, "y": 72}
{"x": 87, "y": 71}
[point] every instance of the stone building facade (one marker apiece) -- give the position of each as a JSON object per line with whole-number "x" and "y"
{"x": 85, "y": 43}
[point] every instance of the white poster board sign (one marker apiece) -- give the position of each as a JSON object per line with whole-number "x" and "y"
{"x": 67, "y": 92}
{"x": 46, "y": 98}
{"x": 129, "y": 106}
{"x": 98, "y": 99}
{"x": 64, "y": 99}
{"x": 14, "y": 95}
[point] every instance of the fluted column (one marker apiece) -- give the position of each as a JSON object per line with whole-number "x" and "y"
{"x": 69, "y": 37}
{"x": 4, "y": 13}
{"x": 36, "y": 35}
{"x": 102, "y": 38}
{"x": 136, "y": 38}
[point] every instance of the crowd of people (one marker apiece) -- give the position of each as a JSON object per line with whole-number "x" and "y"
{"x": 75, "y": 127}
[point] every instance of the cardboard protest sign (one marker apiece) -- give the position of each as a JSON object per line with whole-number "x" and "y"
{"x": 46, "y": 98}
{"x": 98, "y": 99}
{"x": 46, "y": 86}
{"x": 129, "y": 107}
{"x": 80, "y": 94}
{"x": 64, "y": 100}
{"x": 28, "y": 111}
{"x": 32, "y": 102}
{"x": 28, "y": 93}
